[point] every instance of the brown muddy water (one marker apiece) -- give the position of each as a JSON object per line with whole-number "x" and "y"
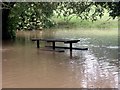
{"x": 25, "y": 66}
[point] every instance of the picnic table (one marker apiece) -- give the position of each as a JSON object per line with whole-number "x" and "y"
{"x": 65, "y": 41}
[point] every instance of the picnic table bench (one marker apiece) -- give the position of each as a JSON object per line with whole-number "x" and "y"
{"x": 66, "y": 41}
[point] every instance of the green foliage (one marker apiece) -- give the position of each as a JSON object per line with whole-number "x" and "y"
{"x": 32, "y": 15}
{"x": 112, "y": 7}
{"x": 83, "y": 10}
{"x": 37, "y": 15}
{"x": 74, "y": 23}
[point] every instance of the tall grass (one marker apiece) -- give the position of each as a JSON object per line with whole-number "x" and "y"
{"x": 75, "y": 22}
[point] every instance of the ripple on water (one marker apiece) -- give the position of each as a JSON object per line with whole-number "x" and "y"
{"x": 112, "y": 47}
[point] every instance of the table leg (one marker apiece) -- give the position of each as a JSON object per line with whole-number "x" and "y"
{"x": 70, "y": 50}
{"x": 53, "y": 45}
{"x": 38, "y": 44}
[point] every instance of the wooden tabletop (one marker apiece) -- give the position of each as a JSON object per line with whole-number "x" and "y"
{"x": 56, "y": 40}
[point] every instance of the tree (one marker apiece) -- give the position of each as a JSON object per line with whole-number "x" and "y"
{"x": 88, "y": 10}
{"x": 34, "y": 15}
{"x": 28, "y": 15}
{"x": 112, "y": 7}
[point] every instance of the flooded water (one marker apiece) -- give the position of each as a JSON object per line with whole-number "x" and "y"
{"x": 25, "y": 66}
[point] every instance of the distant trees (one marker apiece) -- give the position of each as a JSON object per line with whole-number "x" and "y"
{"x": 37, "y": 15}
{"x": 112, "y": 7}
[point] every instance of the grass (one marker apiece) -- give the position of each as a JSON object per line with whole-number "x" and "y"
{"x": 102, "y": 23}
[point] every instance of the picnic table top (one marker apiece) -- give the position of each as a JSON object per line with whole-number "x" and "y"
{"x": 56, "y": 40}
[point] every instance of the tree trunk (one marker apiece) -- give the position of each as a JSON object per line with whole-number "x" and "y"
{"x": 5, "y": 13}
{"x": 5, "y": 32}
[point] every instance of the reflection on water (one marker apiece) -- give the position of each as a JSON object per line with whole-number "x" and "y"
{"x": 25, "y": 66}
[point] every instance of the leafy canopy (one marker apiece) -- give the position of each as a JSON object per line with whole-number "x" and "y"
{"x": 37, "y": 15}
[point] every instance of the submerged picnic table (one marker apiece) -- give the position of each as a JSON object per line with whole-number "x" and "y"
{"x": 66, "y": 41}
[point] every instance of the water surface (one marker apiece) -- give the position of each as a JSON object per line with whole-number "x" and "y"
{"x": 25, "y": 66}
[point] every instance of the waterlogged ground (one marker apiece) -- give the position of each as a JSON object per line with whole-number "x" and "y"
{"x": 25, "y": 66}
